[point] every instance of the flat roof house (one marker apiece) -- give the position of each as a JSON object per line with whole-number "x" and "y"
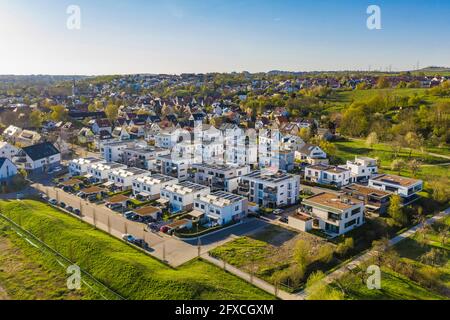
{"x": 331, "y": 213}
{"x": 167, "y": 165}
{"x": 362, "y": 168}
{"x": 406, "y": 188}
{"x": 376, "y": 201}
{"x": 122, "y": 178}
{"x": 221, "y": 207}
{"x": 219, "y": 177}
{"x": 149, "y": 186}
{"x": 268, "y": 189}
{"x": 79, "y": 167}
{"x": 100, "y": 171}
{"x": 181, "y": 195}
{"x": 330, "y": 175}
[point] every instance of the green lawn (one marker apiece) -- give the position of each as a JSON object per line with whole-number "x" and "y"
{"x": 127, "y": 271}
{"x": 347, "y": 150}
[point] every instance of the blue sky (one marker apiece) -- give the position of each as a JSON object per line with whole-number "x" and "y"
{"x": 175, "y": 36}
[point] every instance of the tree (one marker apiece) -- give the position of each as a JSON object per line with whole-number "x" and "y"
{"x": 395, "y": 211}
{"x": 397, "y": 165}
{"x": 328, "y": 147}
{"x": 344, "y": 247}
{"x": 325, "y": 253}
{"x": 372, "y": 139}
{"x": 305, "y": 134}
{"x": 317, "y": 289}
{"x": 414, "y": 165}
{"x": 112, "y": 112}
{"x": 36, "y": 118}
{"x": 59, "y": 113}
{"x": 440, "y": 189}
{"x": 383, "y": 83}
{"x": 413, "y": 141}
{"x": 302, "y": 253}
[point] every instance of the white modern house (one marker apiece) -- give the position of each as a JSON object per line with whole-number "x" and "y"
{"x": 8, "y": 150}
{"x": 362, "y": 168}
{"x": 139, "y": 157}
{"x": 100, "y": 171}
{"x": 406, "y": 188}
{"x": 239, "y": 148}
{"x": 170, "y": 166}
{"x": 150, "y": 185}
{"x": 221, "y": 207}
{"x": 113, "y": 151}
{"x": 219, "y": 177}
{"x": 170, "y": 137}
{"x": 122, "y": 178}
{"x": 330, "y": 175}
{"x": 7, "y": 169}
{"x": 181, "y": 195}
{"x": 79, "y": 167}
{"x": 38, "y": 158}
{"x": 334, "y": 214}
{"x": 269, "y": 189}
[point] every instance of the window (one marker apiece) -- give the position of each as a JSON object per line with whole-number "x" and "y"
{"x": 236, "y": 208}
{"x": 350, "y": 223}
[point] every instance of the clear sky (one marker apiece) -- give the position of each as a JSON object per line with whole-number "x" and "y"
{"x": 175, "y": 36}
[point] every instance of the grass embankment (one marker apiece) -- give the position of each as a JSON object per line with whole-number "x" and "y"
{"x": 124, "y": 269}
{"x": 28, "y": 274}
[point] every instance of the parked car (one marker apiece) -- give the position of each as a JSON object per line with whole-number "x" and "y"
{"x": 77, "y": 212}
{"x": 54, "y": 170}
{"x": 92, "y": 198}
{"x": 69, "y": 208}
{"x": 62, "y": 205}
{"x": 115, "y": 206}
{"x": 164, "y": 229}
{"x": 128, "y": 237}
{"x": 277, "y": 212}
{"x": 284, "y": 219}
{"x": 128, "y": 214}
{"x": 140, "y": 243}
{"x": 53, "y": 202}
{"x": 44, "y": 196}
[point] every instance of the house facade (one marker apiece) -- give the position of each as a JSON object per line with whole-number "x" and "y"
{"x": 181, "y": 195}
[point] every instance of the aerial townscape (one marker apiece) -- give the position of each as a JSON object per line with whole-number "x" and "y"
{"x": 249, "y": 185}
{"x": 224, "y": 158}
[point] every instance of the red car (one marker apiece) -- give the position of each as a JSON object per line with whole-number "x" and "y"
{"x": 164, "y": 229}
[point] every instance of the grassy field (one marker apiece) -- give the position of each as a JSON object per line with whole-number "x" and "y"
{"x": 429, "y": 281}
{"x": 124, "y": 269}
{"x": 347, "y": 150}
{"x": 269, "y": 252}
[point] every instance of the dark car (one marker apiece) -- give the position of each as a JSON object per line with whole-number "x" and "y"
{"x": 140, "y": 243}
{"x": 284, "y": 219}
{"x": 69, "y": 208}
{"x": 77, "y": 212}
{"x": 62, "y": 205}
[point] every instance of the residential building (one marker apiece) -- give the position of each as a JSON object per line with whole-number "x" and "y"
{"x": 8, "y": 150}
{"x": 406, "y": 188}
{"x": 376, "y": 201}
{"x": 100, "y": 171}
{"x": 7, "y": 169}
{"x": 334, "y": 214}
{"x": 170, "y": 166}
{"x": 39, "y": 157}
{"x": 221, "y": 207}
{"x": 101, "y": 125}
{"x": 122, "y": 178}
{"x": 219, "y": 177}
{"x": 362, "y": 168}
{"x": 181, "y": 195}
{"x": 330, "y": 175}
{"x": 311, "y": 154}
{"x": 150, "y": 185}
{"x": 79, "y": 167}
{"x": 268, "y": 189}
{"x": 139, "y": 157}
{"x": 113, "y": 151}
